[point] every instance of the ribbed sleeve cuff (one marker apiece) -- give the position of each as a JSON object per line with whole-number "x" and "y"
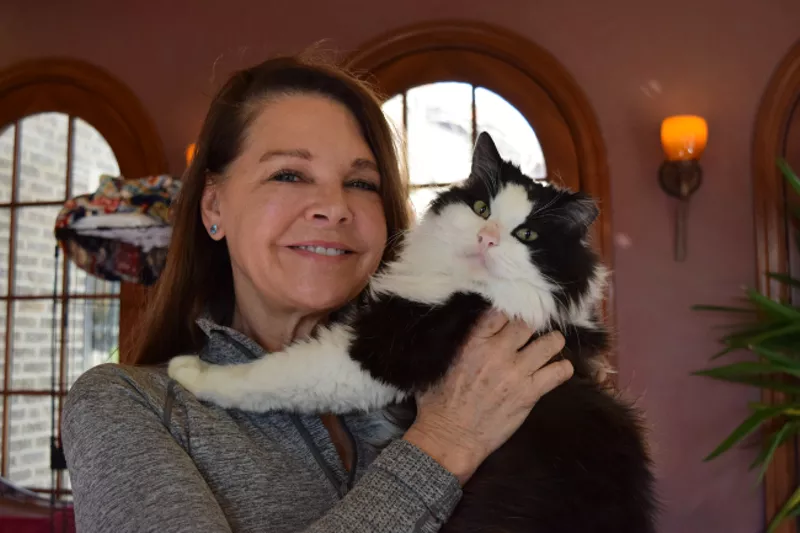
{"x": 438, "y": 489}
{"x": 405, "y": 490}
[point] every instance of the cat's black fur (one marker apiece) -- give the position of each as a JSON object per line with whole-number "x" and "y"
{"x": 579, "y": 463}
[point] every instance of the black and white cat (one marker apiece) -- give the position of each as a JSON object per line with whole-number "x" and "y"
{"x": 497, "y": 240}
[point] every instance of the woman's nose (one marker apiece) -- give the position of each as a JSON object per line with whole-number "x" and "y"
{"x": 330, "y": 207}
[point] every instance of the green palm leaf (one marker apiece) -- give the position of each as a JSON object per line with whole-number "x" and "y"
{"x": 778, "y": 438}
{"x": 784, "y": 278}
{"x": 773, "y": 308}
{"x": 752, "y": 423}
{"x": 770, "y": 331}
{"x": 790, "y": 508}
{"x": 789, "y": 174}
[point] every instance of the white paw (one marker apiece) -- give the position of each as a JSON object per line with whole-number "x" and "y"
{"x": 188, "y": 370}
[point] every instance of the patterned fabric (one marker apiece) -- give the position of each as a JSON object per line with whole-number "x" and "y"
{"x": 121, "y": 231}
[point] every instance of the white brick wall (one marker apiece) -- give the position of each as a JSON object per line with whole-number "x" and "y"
{"x": 42, "y": 177}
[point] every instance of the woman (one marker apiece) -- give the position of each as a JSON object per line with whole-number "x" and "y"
{"x": 295, "y": 163}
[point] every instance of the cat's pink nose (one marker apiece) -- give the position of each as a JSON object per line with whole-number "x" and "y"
{"x": 489, "y": 236}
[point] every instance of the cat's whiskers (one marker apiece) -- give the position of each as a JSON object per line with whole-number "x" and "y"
{"x": 555, "y": 198}
{"x": 554, "y": 216}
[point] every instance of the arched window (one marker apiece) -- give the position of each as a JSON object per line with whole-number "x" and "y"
{"x": 444, "y": 82}
{"x": 438, "y": 124}
{"x": 62, "y": 125}
{"x": 777, "y": 134}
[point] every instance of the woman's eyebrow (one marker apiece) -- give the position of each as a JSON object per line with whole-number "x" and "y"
{"x": 360, "y": 164}
{"x": 300, "y": 153}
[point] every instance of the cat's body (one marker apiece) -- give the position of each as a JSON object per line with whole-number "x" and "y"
{"x": 578, "y": 463}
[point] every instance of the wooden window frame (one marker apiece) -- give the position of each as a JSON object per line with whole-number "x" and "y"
{"x": 78, "y": 89}
{"x": 536, "y": 84}
{"x": 777, "y": 121}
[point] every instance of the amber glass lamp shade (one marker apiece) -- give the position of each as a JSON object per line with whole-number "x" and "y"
{"x": 190, "y": 150}
{"x": 684, "y": 137}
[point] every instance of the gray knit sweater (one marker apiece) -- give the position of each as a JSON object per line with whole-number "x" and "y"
{"x": 145, "y": 455}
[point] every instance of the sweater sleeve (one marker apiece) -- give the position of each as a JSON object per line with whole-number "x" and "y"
{"x": 128, "y": 473}
{"x": 404, "y": 490}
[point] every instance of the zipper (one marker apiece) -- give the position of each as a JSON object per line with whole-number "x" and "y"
{"x": 342, "y": 488}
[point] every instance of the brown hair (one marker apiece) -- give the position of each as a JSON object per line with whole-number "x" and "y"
{"x": 197, "y": 277}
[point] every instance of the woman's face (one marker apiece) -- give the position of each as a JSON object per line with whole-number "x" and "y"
{"x": 300, "y": 207}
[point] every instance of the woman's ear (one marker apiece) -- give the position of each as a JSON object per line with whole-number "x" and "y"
{"x": 209, "y": 211}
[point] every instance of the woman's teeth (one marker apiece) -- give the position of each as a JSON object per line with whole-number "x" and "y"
{"x": 321, "y": 250}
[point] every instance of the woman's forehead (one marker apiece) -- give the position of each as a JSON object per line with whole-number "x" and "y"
{"x": 309, "y": 122}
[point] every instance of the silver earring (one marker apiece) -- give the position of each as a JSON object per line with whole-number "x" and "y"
{"x": 214, "y": 229}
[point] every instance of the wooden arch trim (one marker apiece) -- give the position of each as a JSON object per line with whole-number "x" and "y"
{"x": 81, "y": 89}
{"x": 772, "y": 238}
{"x": 110, "y": 96}
{"x": 535, "y": 63}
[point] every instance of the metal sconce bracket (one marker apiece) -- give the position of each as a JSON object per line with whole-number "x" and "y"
{"x": 680, "y": 179}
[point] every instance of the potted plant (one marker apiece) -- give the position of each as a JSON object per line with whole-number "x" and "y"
{"x": 770, "y": 332}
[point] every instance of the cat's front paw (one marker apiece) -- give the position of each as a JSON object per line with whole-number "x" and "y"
{"x": 189, "y": 371}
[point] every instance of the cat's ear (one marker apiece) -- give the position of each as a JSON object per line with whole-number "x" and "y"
{"x": 485, "y": 157}
{"x": 581, "y": 211}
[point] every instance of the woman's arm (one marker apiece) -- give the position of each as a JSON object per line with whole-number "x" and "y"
{"x": 129, "y": 473}
{"x": 126, "y": 470}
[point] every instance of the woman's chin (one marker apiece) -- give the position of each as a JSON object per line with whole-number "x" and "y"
{"x": 326, "y": 302}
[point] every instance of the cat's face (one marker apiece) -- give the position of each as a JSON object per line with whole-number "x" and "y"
{"x": 501, "y": 226}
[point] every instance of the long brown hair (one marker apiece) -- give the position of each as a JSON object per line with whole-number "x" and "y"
{"x": 197, "y": 278}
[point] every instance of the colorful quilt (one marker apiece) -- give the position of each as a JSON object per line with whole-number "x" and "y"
{"x": 121, "y": 231}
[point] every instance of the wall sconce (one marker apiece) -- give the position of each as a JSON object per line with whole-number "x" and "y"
{"x": 190, "y": 150}
{"x": 683, "y": 138}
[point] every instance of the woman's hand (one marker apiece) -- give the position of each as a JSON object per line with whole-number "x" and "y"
{"x": 487, "y": 394}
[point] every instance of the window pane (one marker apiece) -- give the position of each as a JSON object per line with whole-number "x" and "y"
{"x": 3, "y": 314}
{"x": 6, "y": 162}
{"x": 36, "y": 337}
{"x": 421, "y": 199}
{"x": 29, "y": 434}
{"x": 439, "y": 132}
{"x": 91, "y": 157}
{"x": 511, "y": 132}
{"x": 393, "y": 109}
{"x": 35, "y": 251}
{"x": 43, "y": 157}
{"x": 5, "y": 231}
{"x": 92, "y": 335}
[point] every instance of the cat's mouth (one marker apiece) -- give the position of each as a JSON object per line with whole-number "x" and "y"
{"x": 477, "y": 259}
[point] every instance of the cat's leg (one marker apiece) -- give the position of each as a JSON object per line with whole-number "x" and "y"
{"x": 309, "y": 376}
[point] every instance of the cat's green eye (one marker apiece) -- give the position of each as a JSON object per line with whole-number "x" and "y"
{"x": 481, "y": 209}
{"x": 526, "y": 235}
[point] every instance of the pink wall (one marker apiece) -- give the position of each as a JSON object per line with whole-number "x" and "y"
{"x": 711, "y": 57}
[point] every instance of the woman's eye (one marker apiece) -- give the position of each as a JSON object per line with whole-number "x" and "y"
{"x": 286, "y": 175}
{"x": 526, "y": 235}
{"x": 362, "y": 184}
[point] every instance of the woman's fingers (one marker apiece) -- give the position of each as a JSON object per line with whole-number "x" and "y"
{"x": 534, "y": 361}
{"x": 548, "y": 378}
{"x": 539, "y": 352}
